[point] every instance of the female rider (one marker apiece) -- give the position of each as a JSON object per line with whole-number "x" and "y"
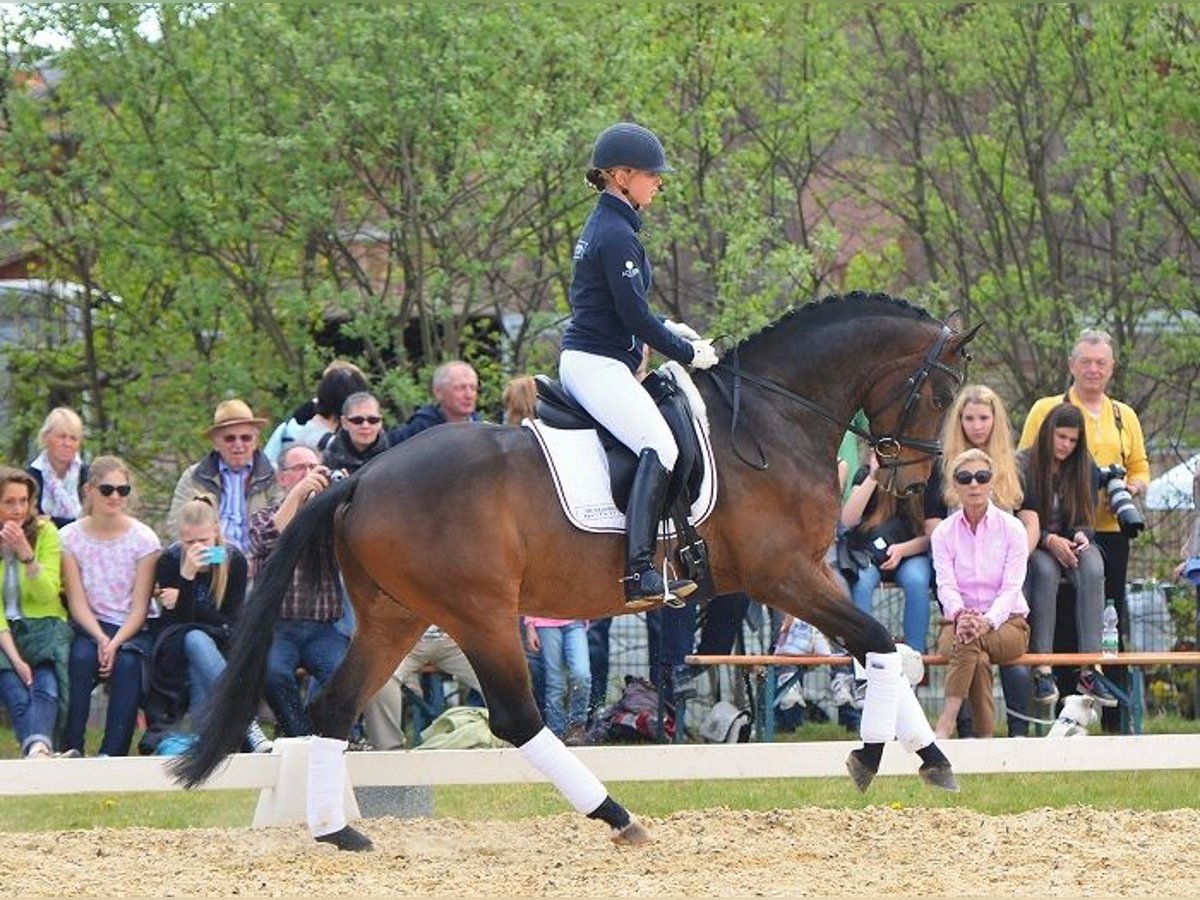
{"x": 610, "y": 323}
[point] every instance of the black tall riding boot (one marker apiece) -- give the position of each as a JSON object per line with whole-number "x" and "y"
{"x": 644, "y": 583}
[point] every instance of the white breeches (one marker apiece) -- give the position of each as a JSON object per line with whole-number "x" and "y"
{"x": 607, "y": 389}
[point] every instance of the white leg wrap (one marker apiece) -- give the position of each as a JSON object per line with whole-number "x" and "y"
{"x": 884, "y": 683}
{"x": 912, "y": 725}
{"x": 574, "y": 780}
{"x": 326, "y": 786}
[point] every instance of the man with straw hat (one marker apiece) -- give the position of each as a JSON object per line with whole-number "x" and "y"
{"x": 235, "y": 476}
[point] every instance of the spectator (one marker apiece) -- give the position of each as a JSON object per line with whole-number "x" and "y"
{"x": 798, "y": 638}
{"x": 520, "y": 400}
{"x": 384, "y": 712}
{"x": 235, "y": 475}
{"x": 1114, "y": 436}
{"x": 1189, "y": 566}
{"x": 1060, "y": 485}
{"x": 978, "y": 419}
{"x": 108, "y": 567}
{"x": 59, "y": 470}
{"x": 455, "y": 391}
{"x": 316, "y": 419}
{"x": 34, "y": 635}
{"x": 305, "y": 634}
{"x": 359, "y": 437}
{"x": 201, "y": 585}
{"x": 564, "y": 648}
{"x": 979, "y": 554}
{"x": 884, "y": 538}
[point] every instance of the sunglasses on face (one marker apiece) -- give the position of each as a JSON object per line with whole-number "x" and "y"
{"x": 107, "y": 490}
{"x": 237, "y": 438}
{"x": 364, "y": 420}
{"x": 983, "y": 476}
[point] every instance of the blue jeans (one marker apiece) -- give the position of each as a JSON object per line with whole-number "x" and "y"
{"x": 568, "y": 675}
{"x": 913, "y": 575}
{"x": 124, "y": 690}
{"x": 204, "y": 664}
{"x": 317, "y": 646}
{"x": 597, "y": 638}
{"x": 32, "y": 709}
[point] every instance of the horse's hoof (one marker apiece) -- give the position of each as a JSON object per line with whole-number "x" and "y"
{"x": 939, "y": 775}
{"x": 860, "y": 773}
{"x": 632, "y": 835}
{"x": 348, "y": 839}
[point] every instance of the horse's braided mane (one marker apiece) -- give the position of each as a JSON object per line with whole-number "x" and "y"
{"x": 836, "y": 307}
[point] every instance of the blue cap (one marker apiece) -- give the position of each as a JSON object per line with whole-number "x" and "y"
{"x": 627, "y": 144}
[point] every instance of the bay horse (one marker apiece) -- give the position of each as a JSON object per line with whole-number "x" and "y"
{"x": 461, "y": 527}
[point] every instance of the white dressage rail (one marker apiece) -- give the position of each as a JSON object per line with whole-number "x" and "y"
{"x": 282, "y": 776}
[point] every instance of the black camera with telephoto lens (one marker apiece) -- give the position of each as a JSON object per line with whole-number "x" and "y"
{"x": 1120, "y": 501}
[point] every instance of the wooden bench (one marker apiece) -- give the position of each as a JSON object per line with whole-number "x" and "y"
{"x": 767, "y": 663}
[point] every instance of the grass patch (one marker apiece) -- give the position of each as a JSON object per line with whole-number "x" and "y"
{"x": 991, "y": 794}
{"x": 68, "y": 812}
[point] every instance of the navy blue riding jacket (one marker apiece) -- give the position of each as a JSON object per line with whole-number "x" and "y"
{"x": 611, "y": 278}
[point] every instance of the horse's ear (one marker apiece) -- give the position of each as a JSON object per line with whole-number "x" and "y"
{"x": 963, "y": 339}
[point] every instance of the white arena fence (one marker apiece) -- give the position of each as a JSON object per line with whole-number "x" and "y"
{"x": 281, "y": 777}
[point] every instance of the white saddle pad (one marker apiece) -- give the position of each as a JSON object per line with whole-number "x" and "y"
{"x": 579, "y": 467}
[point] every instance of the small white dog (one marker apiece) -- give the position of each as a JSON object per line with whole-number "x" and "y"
{"x": 1078, "y": 713}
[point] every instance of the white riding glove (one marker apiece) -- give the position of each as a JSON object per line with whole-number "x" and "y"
{"x": 703, "y": 354}
{"x": 681, "y": 330}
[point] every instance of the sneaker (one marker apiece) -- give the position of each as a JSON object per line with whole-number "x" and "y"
{"x": 72, "y": 753}
{"x": 1095, "y": 688}
{"x": 256, "y": 740}
{"x": 39, "y": 750}
{"x": 841, "y": 689}
{"x": 575, "y": 736}
{"x": 1044, "y": 688}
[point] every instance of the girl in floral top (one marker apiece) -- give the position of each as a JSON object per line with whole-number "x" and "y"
{"x": 108, "y": 571}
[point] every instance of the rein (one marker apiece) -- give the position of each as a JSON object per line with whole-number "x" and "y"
{"x": 887, "y": 447}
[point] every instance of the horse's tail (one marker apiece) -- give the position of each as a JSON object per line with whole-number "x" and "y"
{"x": 235, "y": 698}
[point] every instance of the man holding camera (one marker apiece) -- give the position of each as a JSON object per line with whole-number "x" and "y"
{"x": 1114, "y": 437}
{"x": 305, "y": 634}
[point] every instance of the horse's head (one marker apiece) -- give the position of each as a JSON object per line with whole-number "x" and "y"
{"x": 906, "y": 413}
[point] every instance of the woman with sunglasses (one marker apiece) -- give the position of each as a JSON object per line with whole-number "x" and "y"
{"x": 108, "y": 569}
{"x": 34, "y": 635}
{"x": 979, "y": 555}
{"x": 978, "y": 419}
{"x": 1061, "y": 486}
{"x": 360, "y": 435}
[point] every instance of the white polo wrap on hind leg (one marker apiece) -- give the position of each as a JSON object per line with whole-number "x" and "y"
{"x": 326, "y": 810}
{"x": 574, "y": 780}
{"x": 884, "y": 685}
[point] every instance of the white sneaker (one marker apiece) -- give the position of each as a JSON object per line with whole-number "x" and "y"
{"x": 39, "y": 750}
{"x": 256, "y": 740}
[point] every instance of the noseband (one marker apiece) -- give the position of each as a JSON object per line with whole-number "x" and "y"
{"x": 887, "y": 447}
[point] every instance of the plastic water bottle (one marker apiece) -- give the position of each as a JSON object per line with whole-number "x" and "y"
{"x": 1108, "y": 637}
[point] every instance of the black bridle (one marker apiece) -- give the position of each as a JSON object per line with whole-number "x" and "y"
{"x": 886, "y": 447}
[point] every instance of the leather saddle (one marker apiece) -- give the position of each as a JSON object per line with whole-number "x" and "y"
{"x": 557, "y": 409}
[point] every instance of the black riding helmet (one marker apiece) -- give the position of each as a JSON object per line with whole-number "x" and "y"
{"x": 631, "y": 146}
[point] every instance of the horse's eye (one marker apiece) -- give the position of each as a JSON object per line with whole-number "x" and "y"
{"x": 941, "y": 402}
